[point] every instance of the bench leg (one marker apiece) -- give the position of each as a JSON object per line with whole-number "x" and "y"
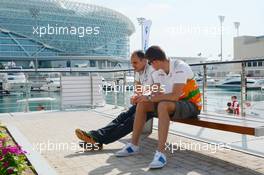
{"x": 148, "y": 127}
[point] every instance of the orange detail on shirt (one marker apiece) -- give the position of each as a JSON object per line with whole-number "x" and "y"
{"x": 192, "y": 93}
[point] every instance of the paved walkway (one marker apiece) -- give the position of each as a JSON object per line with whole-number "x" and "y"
{"x": 57, "y": 128}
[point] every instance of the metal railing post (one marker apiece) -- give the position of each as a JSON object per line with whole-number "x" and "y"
{"x": 124, "y": 90}
{"x": 27, "y": 93}
{"x": 115, "y": 93}
{"x": 61, "y": 92}
{"x": 92, "y": 94}
{"x": 243, "y": 88}
{"x": 204, "y": 88}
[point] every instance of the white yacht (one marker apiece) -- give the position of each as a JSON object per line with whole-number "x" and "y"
{"x": 210, "y": 81}
{"x": 15, "y": 81}
{"x": 37, "y": 82}
{"x": 233, "y": 81}
{"x": 51, "y": 85}
{"x": 51, "y": 82}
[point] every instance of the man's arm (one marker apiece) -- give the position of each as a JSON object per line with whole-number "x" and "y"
{"x": 137, "y": 92}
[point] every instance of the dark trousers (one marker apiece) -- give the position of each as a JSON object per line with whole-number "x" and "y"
{"x": 118, "y": 128}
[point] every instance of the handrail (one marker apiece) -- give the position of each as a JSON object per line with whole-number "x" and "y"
{"x": 45, "y": 70}
{"x": 124, "y": 70}
{"x": 227, "y": 62}
{"x": 74, "y": 69}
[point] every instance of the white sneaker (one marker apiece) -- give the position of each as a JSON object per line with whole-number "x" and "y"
{"x": 128, "y": 150}
{"x": 158, "y": 161}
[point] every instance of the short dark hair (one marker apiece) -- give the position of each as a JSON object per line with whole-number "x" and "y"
{"x": 235, "y": 97}
{"x": 155, "y": 53}
{"x": 138, "y": 53}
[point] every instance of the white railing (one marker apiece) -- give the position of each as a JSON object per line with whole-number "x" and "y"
{"x": 81, "y": 89}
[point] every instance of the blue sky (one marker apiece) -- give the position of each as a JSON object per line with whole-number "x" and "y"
{"x": 189, "y": 27}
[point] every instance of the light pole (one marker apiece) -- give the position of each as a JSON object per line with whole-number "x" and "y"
{"x": 237, "y": 24}
{"x": 141, "y": 21}
{"x": 148, "y": 126}
{"x": 221, "y": 18}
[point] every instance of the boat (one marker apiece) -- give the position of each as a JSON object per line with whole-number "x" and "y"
{"x": 2, "y": 75}
{"x": 233, "y": 81}
{"x": 210, "y": 81}
{"x": 15, "y": 81}
{"x": 51, "y": 85}
{"x": 37, "y": 82}
{"x": 110, "y": 85}
{"x": 44, "y": 81}
{"x": 107, "y": 85}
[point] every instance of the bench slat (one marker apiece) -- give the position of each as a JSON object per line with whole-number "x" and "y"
{"x": 239, "y": 122}
{"x": 233, "y": 117}
{"x": 218, "y": 126}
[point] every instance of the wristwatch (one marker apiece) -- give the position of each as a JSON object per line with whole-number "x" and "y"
{"x": 149, "y": 97}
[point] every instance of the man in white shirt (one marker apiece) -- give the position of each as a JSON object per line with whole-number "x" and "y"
{"x": 178, "y": 97}
{"x": 123, "y": 124}
{"x": 143, "y": 75}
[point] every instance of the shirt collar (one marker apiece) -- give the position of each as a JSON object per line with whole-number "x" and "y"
{"x": 144, "y": 71}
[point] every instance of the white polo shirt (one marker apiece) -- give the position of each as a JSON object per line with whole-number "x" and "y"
{"x": 179, "y": 72}
{"x": 145, "y": 77}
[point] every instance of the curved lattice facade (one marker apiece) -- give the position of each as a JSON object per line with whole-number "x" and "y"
{"x": 82, "y": 30}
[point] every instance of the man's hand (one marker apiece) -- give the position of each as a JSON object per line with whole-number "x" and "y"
{"x": 134, "y": 98}
{"x": 142, "y": 99}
